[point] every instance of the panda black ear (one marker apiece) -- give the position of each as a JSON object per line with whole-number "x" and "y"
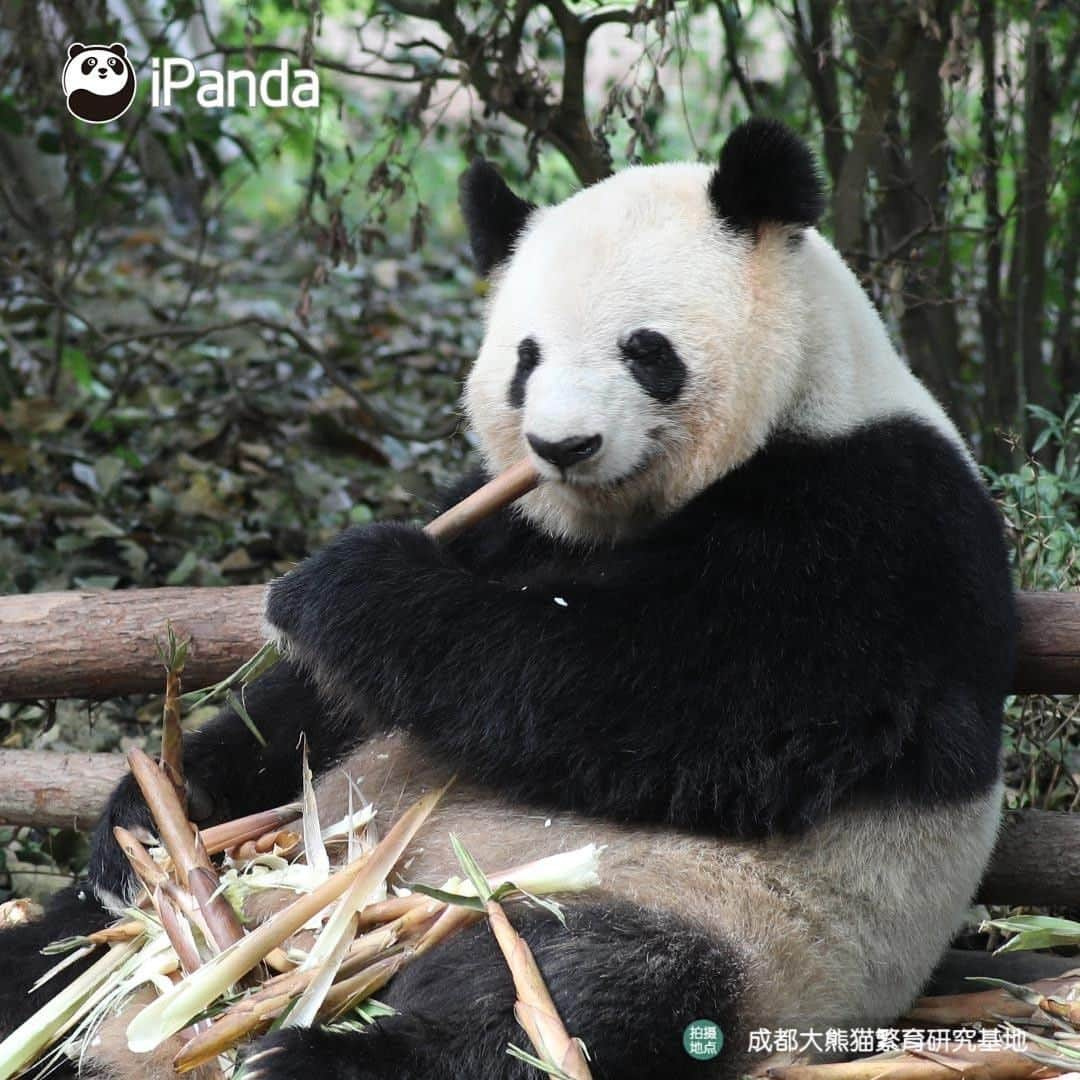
{"x": 766, "y": 174}
{"x": 75, "y": 48}
{"x": 117, "y": 48}
{"x": 494, "y": 215}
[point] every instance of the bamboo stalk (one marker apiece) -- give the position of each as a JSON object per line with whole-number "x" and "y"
{"x": 279, "y": 841}
{"x": 221, "y": 920}
{"x": 23, "y": 1046}
{"x": 169, "y": 814}
{"x": 534, "y": 1009}
{"x": 146, "y": 870}
{"x": 121, "y": 931}
{"x": 177, "y": 930}
{"x": 985, "y": 1005}
{"x": 172, "y": 733}
{"x": 348, "y": 993}
{"x": 230, "y": 834}
{"x": 498, "y": 492}
{"x": 259, "y": 1008}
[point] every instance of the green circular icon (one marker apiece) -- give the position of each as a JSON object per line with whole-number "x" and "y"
{"x": 703, "y": 1039}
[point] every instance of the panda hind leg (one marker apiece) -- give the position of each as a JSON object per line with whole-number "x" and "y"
{"x": 71, "y": 912}
{"x": 625, "y": 980}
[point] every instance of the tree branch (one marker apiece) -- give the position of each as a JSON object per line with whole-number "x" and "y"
{"x": 880, "y": 77}
{"x": 730, "y": 20}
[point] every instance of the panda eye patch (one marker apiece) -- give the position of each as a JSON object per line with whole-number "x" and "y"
{"x": 88, "y": 65}
{"x": 528, "y": 352}
{"x": 114, "y": 64}
{"x": 655, "y": 364}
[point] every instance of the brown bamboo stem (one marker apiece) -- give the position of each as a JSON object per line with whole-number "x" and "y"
{"x": 172, "y": 732}
{"x": 230, "y": 834}
{"x": 534, "y": 1009}
{"x": 170, "y": 816}
{"x": 986, "y": 1005}
{"x": 504, "y": 489}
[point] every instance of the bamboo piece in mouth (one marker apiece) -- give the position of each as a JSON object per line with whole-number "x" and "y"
{"x": 509, "y": 486}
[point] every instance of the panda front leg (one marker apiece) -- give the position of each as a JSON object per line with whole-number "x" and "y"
{"x": 626, "y": 981}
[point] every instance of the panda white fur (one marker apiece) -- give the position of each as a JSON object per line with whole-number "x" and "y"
{"x": 98, "y": 81}
{"x": 752, "y": 633}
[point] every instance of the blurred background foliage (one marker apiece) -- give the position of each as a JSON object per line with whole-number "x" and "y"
{"x": 226, "y": 334}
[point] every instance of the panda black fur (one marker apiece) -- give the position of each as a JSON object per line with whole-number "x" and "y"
{"x": 756, "y": 640}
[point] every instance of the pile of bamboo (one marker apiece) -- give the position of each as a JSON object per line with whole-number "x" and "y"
{"x": 252, "y": 977}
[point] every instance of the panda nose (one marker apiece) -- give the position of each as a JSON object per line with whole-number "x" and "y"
{"x": 566, "y": 452}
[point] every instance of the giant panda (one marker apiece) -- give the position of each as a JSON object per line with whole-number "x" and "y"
{"x": 753, "y": 633}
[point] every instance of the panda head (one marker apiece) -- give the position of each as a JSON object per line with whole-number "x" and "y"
{"x": 643, "y": 337}
{"x": 99, "y": 81}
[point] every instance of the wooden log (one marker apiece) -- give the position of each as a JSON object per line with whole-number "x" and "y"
{"x": 1049, "y": 656}
{"x": 1036, "y": 862}
{"x": 42, "y": 787}
{"x": 102, "y": 644}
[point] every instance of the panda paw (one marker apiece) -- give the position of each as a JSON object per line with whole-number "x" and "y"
{"x": 109, "y": 872}
{"x": 302, "y": 1053}
{"x": 333, "y": 589}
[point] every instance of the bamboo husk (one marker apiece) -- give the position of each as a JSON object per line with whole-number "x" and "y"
{"x": 172, "y": 733}
{"x": 155, "y": 1022}
{"x": 221, "y": 920}
{"x": 19, "y": 912}
{"x": 534, "y": 1009}
{"x": 992, "y": 1005}
{"x": 121, "y": 931}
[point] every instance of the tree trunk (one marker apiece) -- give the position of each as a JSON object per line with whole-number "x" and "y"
{"x": 999, "y": 377}
{"x": 1035, "y": 221}
{"x": 1066, "y": 361}
{"x": 880, "y": 65}
{"x": 928, "y": 323}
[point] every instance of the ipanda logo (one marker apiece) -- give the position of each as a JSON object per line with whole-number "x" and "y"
{"x": 99, "y": 83}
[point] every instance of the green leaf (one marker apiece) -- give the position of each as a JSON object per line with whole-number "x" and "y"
{"x": 537, "y": 1063}
{"x": 473, "y": 903}
{"x": 1036, "y": 932}
{"x": 471, "y": 869}
{"x": 241, "y": 711}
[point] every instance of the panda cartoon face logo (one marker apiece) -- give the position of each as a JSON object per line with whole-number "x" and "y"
{"x": 99, "y": 82}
